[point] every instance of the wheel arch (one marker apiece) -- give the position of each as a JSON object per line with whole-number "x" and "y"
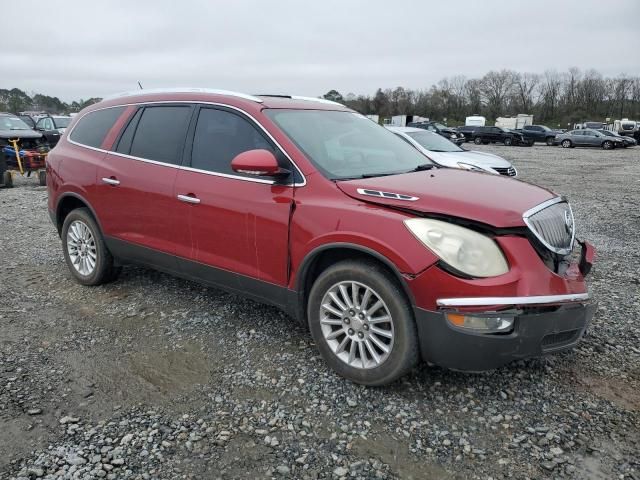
{"x": 316, "y": 261}
{"x": 67, "y": 203}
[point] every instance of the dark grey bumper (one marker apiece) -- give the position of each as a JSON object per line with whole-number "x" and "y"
{"x": 537, "y": 331}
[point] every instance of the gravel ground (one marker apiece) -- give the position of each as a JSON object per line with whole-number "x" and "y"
{"x": 156, "y": 377}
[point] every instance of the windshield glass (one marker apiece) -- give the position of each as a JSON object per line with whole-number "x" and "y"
{"x": 439, "y": 126}
{"x": 608, "y": 133}
{"x": 346, "y": 145}
{"x": 12, "y": 123}
{"x": 61, "y": 122}
{"x": 434, "y": 142}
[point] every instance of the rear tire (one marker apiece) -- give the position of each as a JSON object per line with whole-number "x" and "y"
{"x": 7, "y": 179}
{"x": 566, "y": 144}
{"x": 42, "y": 178}
{"x": 85, "y": 252}
{"x": 549, "y": 141}
{"x": 477, "y": 140}
{"x": 508, "y": 141}
{"x": 344, "y": 334}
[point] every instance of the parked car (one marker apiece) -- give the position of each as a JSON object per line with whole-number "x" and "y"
{"x": 538, "y": 133}
{"x": 486, "y": 135}
{"x": 587, "y": 138}
{"x": 52, "y": 127}
{"x": 307, "y": 205}
{"x": 28, "y": 119}
{"x": 467, "y": 131}
{"x": 447, "y": 132}
{"x": 11, "y": 128}
{"x": 448, "y": 154}
{"x": 626, "y": 141}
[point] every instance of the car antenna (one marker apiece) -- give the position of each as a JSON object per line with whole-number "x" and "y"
{"x": 139, "y": 84}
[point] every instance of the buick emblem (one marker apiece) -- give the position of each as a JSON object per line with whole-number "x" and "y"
{"x": 568, "y": 222}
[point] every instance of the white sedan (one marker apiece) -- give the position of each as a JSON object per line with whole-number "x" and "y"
{"x": 448, "y": 154}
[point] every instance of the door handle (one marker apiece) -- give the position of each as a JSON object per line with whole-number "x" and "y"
{"x": 111, "y": 181}
{"x": 188, "y": 199}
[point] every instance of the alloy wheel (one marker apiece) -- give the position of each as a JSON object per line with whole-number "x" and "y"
{"x": 357, "y": 325}
{"x": 81, "y": 247}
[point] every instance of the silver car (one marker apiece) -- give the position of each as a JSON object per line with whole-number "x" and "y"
{"x": 446, "y": 153}
{"x": 587, "y": 138}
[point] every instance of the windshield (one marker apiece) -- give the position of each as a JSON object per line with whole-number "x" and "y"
{"x": 439, "y": 126}
{"x": 61, "y": 122}
{"x": 345, "y": 145}
{"x": 608, "y": 133}
{"x": 12, "y": 123}
{"x": 434, "y": 142}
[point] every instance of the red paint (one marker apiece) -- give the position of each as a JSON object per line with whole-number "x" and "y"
{"x": 265, "y": 231}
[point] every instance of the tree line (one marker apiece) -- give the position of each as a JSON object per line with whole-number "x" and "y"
{"x": 554, "y": 98}
{"x": 15, "y": 100}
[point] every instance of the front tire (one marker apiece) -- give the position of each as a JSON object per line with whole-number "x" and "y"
{"x": 549, "y": 141}
{"x": 566, "y": 144}
{"x": 508, "y": 141}
{"x": 607, "y": 145}
{"x": 7, "y": 179}
{"x": 362, "y": 323}
{"x": 85, "y": 252}
{"x": 42, "y": 178}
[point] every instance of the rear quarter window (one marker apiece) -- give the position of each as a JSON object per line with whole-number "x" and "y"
{"x": 94, "y": 126}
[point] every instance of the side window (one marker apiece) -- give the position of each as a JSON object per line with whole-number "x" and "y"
{"x": 48, "y": 124}
{"x": 40, "y": 123}
{"x": 93, "y": 127}
{"x": 160, "y": 133}
{"x": 124, "y": 144}
{"x": 220, "y": 136}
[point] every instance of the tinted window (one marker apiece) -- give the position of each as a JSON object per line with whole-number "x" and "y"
{"x": 124, "y": 144}
{"x": 220, "y": 136}
{"x": 160, "y": 133}
{"x": 93, "y": 127}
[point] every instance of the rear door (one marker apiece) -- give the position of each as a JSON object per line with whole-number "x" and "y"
{"x": 135, "y": 184}
{"x": 238, "y": 224}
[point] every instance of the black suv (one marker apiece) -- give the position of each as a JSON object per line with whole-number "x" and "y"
{"x": 539, "y": 133}
{"x": 486, "y": 135}
{"x": 447, "y": 132}
{"x": 467, "y": 131}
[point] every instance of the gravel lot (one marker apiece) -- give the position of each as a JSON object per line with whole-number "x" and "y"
{"x": 156, "y": 377}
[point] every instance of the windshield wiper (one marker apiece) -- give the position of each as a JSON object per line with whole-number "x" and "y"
{"x": 423, "y": 167}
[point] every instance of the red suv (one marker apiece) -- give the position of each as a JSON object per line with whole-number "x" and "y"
{"x": 309, "y": 206}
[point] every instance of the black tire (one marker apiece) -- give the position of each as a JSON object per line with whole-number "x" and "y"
{"x": 7, "y": 179}
{"x": 42, "y": 178}
{"x": 404, "y": 354}
{"x": 566, "y": 143}
{"x": 530, "y": 143}
{"x": 508, "y": 141}
{"x": 549, "y": 141}
{"x": 607, "y": 145}
{"x": 104, "y": 271}
{"x": 477, "y": 140}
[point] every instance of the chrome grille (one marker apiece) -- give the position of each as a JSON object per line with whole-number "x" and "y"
{"x": 552, "y": 223}
{"x": 510, "y": 172}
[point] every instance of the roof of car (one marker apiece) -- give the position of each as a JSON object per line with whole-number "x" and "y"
{"x": 204, "y": 94}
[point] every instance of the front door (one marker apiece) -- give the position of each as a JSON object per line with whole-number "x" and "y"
{"x": 238, "y": 225}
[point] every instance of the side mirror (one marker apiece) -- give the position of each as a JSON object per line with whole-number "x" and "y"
{"x": 258, "y": 162}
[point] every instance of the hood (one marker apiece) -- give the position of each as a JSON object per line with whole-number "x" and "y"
{"x": 19, "y": 134}
{"x": 451, "y": 159}
{"x": 490, "y": 199}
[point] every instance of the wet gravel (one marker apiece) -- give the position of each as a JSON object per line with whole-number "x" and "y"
{"x": 156, "y": 377}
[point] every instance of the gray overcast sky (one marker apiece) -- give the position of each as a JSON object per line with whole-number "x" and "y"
{"x": 78, "y": 49}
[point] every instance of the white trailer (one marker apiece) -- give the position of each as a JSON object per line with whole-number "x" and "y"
{"x": 403, "y": 120}
{"x": 516, "y": 122}
{"x": 475, "y": 121}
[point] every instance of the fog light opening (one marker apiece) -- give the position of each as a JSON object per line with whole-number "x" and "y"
{"x": 481, "y": 323}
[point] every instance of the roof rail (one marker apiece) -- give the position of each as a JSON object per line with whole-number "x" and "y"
{"x": 315, "y": 99}
{"x": 152, "y": 91}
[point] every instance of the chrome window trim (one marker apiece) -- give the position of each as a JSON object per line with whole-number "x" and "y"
{"x": 181, "y": 167}
{"x": 533, "y": 300}
{"x": 532, "y": 211}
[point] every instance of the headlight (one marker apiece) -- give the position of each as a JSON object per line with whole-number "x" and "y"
{"x": 467, "y": 251}
{"x": 476, "y": 168}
